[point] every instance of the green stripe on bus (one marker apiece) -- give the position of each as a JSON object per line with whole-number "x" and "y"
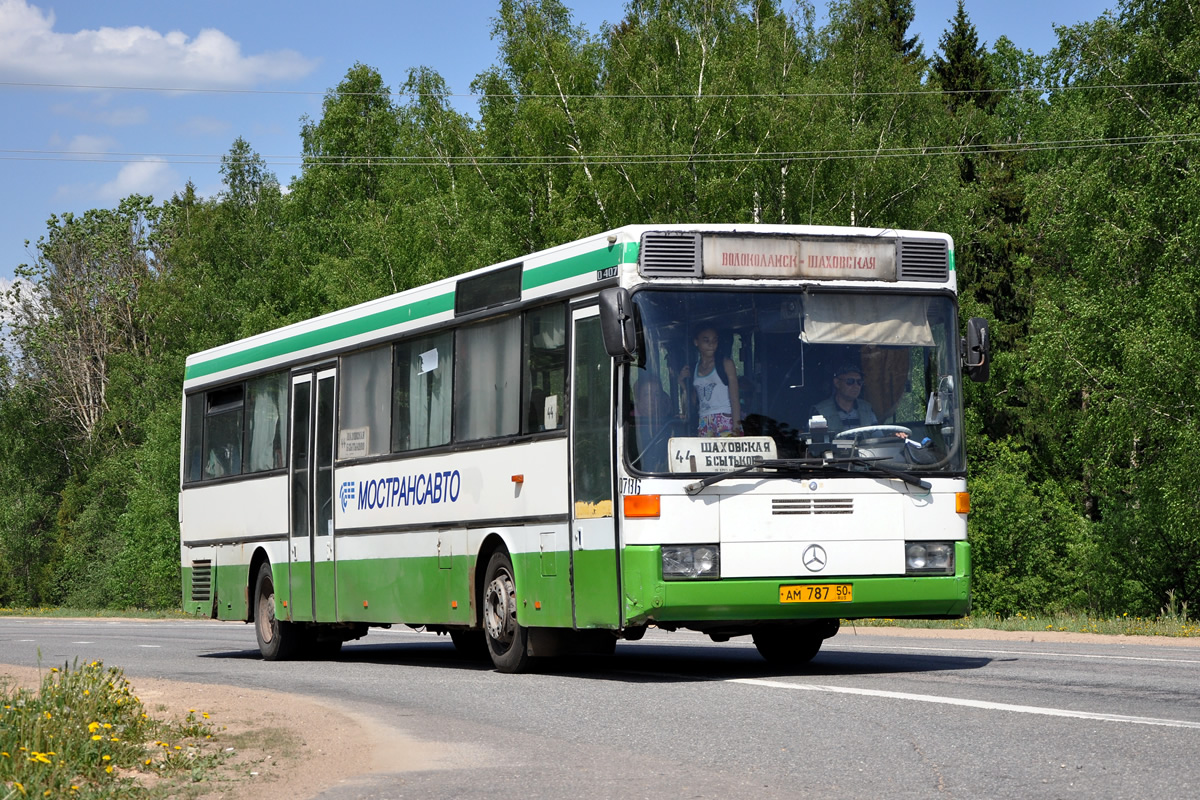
{"x": 581, "y": 264}
{"x": 324, "y": 336}
{"x": 560, "y": 270}
{"x": 952, "y": 261}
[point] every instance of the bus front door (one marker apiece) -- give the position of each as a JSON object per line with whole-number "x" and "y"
{"x": 311, "y": 545}
{"x": 594, "y": 551}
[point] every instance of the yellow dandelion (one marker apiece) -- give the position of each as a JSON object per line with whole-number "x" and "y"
{"x": 87, "y": 692}
{"x": 108, "y": 769}
{"x": 106, "y": 758}
{"x": 97, "y": 738}
{"x": 92, "y": 726}
{"x": 205, "y": 715}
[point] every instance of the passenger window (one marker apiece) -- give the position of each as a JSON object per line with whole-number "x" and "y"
{"x": 424, "y": 386}
{"x": 545, "y": 368}
{"x": 193, "y": 438}
{"x": 487, "y": 374}
{"x": 223, "y": 433}
{"x": 366, "y": 417}
{"x": 266, "y": 400}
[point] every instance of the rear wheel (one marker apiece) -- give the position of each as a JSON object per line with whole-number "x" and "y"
{"x": 507, "y": 641}
{"x": 277, "y": 639}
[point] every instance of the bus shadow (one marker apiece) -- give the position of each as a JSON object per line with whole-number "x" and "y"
{"x": 651, "y": 663}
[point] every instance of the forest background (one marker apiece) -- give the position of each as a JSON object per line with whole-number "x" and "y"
{"x": 1067, "y": 180}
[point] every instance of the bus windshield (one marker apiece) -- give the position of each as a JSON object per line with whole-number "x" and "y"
{"x": 841, "y": 378}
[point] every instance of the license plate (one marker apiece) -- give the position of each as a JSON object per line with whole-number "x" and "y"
{"x": 817, "y": 593}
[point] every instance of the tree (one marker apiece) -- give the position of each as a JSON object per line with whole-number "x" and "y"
{"x": 961, "y": 66}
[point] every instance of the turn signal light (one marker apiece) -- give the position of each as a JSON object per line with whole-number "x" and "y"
{"x": 962, "y": 502}
{"x": 641, "y": 505}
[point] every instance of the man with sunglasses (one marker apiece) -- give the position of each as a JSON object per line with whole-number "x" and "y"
{"x": 844, "y": 409}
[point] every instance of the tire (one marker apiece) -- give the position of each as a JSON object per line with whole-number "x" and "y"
{"x": 507, "y": 641}
{"x": 788, "y": 646}
{"x": 277, "y": 639}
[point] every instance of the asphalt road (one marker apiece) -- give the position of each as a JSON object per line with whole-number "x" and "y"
{"x": 676, "y": 716}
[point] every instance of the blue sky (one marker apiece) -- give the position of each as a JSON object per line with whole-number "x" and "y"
{"x": 59, "y": 146}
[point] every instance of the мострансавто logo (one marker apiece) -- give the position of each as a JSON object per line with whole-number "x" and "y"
{"x": 425, "y": 488}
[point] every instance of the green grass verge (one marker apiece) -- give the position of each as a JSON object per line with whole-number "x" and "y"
{"x": 131, "y": 613}
{"x": 1125, "y": 625}
{"x": 84, "y": 733}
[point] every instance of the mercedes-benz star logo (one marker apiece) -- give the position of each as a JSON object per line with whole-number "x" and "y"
{"x": 815, "y": 558}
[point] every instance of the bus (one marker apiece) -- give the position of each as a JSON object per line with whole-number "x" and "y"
{"x": 741, "y": 430}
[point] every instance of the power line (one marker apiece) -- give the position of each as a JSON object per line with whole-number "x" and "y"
{"x": 599, "y": 96}
{"x": 599, "y": 159}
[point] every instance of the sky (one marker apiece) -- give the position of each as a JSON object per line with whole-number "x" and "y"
{"x": 79, "y": 128}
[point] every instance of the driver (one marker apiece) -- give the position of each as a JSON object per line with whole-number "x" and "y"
{"x": 844, "y": 409}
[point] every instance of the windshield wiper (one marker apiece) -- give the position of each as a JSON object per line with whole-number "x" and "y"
{"x": 873, "y": 463}
{"x": 795, "y": 463}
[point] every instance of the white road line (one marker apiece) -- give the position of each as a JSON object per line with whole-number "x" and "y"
{"x": 82, "y": 642}
{"x": 981, "y": 704}
{"x": 848, "y": 647}
{"x": 149, "y": 645}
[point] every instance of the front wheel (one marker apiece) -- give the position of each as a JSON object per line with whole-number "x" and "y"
{"x": 277, "y": 639}
{"x": 507, "y": 641}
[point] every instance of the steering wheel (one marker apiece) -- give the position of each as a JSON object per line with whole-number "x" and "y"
{"x": 879, "y": 430}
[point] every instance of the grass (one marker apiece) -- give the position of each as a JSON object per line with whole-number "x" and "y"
{"x": 1166, "y": 624}
{"x": 130, "y": 613}
{"x": 84, "y": 733}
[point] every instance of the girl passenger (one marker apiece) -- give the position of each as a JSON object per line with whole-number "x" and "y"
{"x": 715, "y": 386}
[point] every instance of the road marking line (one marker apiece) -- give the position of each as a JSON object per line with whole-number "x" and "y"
{"x": 149, "y": 645}
{"x": 82, "y": 642}
{"x": 847, "y": 647}
{"x": 981, "y": 704}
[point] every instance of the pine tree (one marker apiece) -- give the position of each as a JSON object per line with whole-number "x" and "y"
{"x": 962, "y": 66}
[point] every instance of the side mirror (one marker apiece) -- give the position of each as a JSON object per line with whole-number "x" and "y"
{"x": 977, "y": 358}
{"x": 616, "y": 322}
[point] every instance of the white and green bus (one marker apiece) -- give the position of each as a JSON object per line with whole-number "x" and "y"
{"x": 734, "y": 429}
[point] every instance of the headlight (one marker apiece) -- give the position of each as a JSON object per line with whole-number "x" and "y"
{"x": 929, "y": 557}
{"x": 691, "y": 561}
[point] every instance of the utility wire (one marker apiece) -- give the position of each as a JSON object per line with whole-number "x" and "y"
{"x": 599, "y": 96}
{"x": 615, "y": 159}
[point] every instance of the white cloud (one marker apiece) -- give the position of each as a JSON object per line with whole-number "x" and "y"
{"x": 90, "y": 144}
{"x": 150, "y": 176}
{"x": 30, "y": 48}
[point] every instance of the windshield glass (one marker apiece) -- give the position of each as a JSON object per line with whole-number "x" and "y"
{"x": 793, "y": 375}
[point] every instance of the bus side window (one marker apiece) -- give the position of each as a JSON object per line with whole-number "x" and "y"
{"x": 223, "y": 432}
{"x": 487, "y": 379}
{"x": 193, "y": 442}
{"x": 423, "y": 386}
{"x": 366, "y": 397}
{"x": 545, "y": 366}
{"x": 266, "y": 399}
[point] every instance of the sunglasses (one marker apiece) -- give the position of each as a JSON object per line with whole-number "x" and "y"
{"x": 851, "y": 381}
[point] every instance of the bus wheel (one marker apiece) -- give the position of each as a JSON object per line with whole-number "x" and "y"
{"x": 277, "y": 639}
{"x": 787, "y": 646}
{"x": 506, "y": 640}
